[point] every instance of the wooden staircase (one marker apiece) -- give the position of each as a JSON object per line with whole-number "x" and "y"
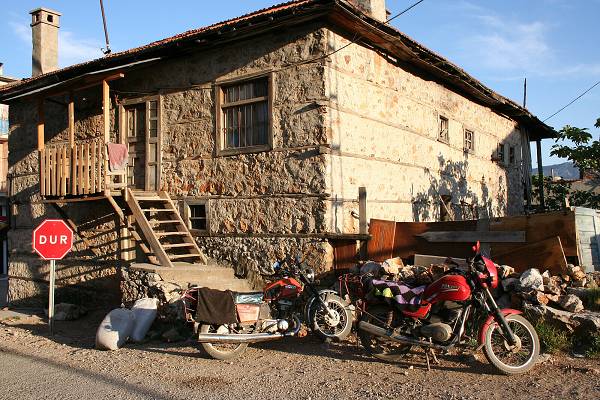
{"x": 163, "y": 228}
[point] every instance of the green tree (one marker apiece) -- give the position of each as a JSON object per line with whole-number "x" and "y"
{"x": 578, "y": 146}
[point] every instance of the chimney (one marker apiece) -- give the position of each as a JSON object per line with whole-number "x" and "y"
{"x": 373, "y": 8}
{"x": 1, "y": 69}
{"x": 44, "y": 36}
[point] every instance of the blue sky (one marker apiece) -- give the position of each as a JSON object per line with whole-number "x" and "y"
{"x": 554, "y": 43}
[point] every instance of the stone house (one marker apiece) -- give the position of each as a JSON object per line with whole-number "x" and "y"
{"x": 250, "y": 139}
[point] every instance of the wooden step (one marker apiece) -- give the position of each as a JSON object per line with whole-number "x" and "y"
{"x": 171, "y": 233}
{"x": 149, "y": 198}
{"x": 177, "y": 245}
{"x": 179, "y": 256}
{"x": 158, "y": 210}
{"x": 165, "y": 221}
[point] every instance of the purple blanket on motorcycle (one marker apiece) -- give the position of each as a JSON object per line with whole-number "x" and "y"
{"x": 216, "y": 307}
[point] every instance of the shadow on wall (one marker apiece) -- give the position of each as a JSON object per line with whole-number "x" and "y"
{"x": 449, "y": 195}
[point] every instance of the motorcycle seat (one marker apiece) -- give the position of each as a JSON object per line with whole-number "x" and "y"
{"x": 248, "y": 297}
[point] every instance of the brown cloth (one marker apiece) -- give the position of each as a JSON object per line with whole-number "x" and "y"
{"x": 216, "y": 307}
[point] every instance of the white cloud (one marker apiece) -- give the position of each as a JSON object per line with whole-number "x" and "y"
{"x": 71, "y": 50}
{"x": 516, "y": 48}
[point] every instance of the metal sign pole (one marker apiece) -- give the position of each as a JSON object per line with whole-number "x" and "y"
{"x": 51, "y": 296}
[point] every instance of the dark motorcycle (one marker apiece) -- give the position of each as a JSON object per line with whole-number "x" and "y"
{"x": 435, "y": 317}
{"x": 292, "y": 298}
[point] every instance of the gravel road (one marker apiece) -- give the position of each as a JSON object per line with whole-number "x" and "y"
{"x": 66, "y": 366}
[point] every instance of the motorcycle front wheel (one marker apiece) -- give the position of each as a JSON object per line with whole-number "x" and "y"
{"x": 512, "y": 359}
{"x": 221, "y": 351}
{"x": 335, "y": 324}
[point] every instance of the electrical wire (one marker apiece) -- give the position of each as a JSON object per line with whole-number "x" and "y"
{"x": 573, "y": 101}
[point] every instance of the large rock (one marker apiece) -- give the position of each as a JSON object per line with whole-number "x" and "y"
{"x": 586, "y": 323}
{"x": 571, "y": 303}
{"x": 531, "y": 280}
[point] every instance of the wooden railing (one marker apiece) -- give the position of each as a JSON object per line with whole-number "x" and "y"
{"x": 73, "y": 171}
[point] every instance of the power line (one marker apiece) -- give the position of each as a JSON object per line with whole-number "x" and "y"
{"x": 404, "y": 11}
{"x": 573, "y": 101}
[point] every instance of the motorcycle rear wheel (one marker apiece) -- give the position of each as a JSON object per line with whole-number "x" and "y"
{"x": 378, "y": 347}
{"x": 515, "y": 359}
{"x": 221, "y": 351}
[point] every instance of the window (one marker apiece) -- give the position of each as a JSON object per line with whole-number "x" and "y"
{"x": 245, "y": 115}
{"x": 469, "y": 144}
{"x": 501, "y": 155}
{"x": 50, "y": 18}
{"x": 511, "y": 155}
{"x": 196, "y": 214}
{"x": 443, "y": 129}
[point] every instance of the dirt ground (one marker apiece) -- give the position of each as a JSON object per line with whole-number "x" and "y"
{"x": 66, "y": 365}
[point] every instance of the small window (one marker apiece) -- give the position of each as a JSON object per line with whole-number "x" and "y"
{"x": 245, "y": 114}
{"x": 501, "y": 155}
{"x": 196, "y": 215}
{"x": 443, "y": 129}
{"x": 511, "y": 155}
{"x": 469, "y": 144}
{"x": 50, "y": 18}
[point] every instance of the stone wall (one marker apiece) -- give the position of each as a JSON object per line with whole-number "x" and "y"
{"x": 382, "y": 121}
{"x": 254, "y": 200}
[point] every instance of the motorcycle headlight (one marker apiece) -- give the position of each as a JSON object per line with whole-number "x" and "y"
{"x": 310, "y": 274}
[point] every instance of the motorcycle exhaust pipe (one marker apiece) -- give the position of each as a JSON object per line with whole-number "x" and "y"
{"x": 241, "y": 338}
{"x": 378, "y": 331}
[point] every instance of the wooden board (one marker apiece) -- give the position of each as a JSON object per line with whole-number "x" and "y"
{"x": 427, "y": 260}
{"x": 407, "y": 242}
{"x": 345, "y": 254}
{"x": 539, "y": 227}
{"x": 545, "y": 254}
{"x": 472, "y": 237}
{"x": 380, "y": 246}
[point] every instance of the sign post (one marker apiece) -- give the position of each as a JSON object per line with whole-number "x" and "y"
{"x": 52, "y": 240}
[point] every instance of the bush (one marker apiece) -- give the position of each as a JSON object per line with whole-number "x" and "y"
{"x": 592, "y": 299}
{"x": 552, "y": 339}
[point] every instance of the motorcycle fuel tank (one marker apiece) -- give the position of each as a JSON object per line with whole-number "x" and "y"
{"x": 447, "y": 288}
{"x": 283, "y": 288}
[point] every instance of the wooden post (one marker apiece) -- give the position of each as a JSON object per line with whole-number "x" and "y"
{"x": 71, "y": 109}
{"x": 538, "y": 144}
{"x": 362, "y": 220}
{"x": 362, "y": 210}
{"x": 40, "y": 125}
{"x": 106, "y": 130}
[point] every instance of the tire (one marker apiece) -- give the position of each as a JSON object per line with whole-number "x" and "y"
{"x": 378, "y": 347}
{"x": 518, "y": 359}
{"x": 221, "y": 351}
{"x": 324, "y": 326}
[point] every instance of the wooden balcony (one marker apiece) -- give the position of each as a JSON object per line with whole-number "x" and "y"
{"x": 76, "y": 170}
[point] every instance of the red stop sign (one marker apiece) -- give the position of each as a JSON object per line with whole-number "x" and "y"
{"x": 52, "y": 239}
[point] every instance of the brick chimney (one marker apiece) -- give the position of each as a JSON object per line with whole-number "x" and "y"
{"x": 373, "y": 8}
{"x": 44, "y": 35}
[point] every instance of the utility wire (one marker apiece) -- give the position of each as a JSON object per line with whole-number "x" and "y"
{"x": 574, "y": 100}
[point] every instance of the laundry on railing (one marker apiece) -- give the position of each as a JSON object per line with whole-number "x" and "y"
{"x": 117, "y": 156}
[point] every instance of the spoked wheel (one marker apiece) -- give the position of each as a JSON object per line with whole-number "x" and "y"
{"x": 378, "y": 347}
{"x": 335, "y": 324}
{"x": 515, "y": 359}
{"x": 221, "y": 351}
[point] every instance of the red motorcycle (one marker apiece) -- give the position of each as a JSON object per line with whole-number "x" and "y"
{"x": 277, "y": 312}
{"x": 436, "y": 317}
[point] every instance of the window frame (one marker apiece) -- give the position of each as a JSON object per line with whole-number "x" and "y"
{"x": 512, "y": 155}
{"x": 187, "y": 214}
{"x": 446, "y": 138}
{"x": 501, "y": 153}
{"x": 220, "y": 135}
{"x": 470, "y": 149}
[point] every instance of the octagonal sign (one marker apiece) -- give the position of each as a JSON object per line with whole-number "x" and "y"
{"x": 52, "y": 239}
